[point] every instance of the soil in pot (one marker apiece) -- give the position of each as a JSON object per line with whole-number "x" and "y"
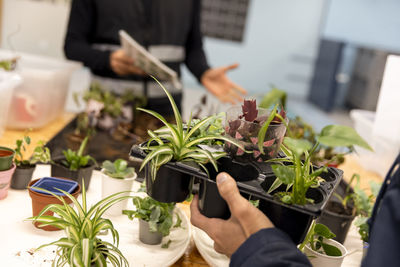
{"x": 40, "y": 201}
{"x": 147, "y": 237}
{"x": 211, "y": 204}
{"x": 22, "y": 176}
{"x": 5, "y": 178}
{"x": 337, "y": 219}
{"x": 6, "y": 158}
{"x": 59, "y": 170}
{"x": 169, "y": 185}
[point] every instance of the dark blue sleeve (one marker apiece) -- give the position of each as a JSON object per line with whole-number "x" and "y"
{"x": 269, "y": 247}
{"x": 384, "y": 240}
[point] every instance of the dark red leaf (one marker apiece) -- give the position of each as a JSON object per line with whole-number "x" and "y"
{"x": 249, "y": 109}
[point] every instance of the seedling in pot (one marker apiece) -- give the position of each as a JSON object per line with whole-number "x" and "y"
{"x": 118, "y": 169}
{"x": 40, "y": 154}
{"x": 159, "y": 216}
{"x": 175, "y": 142}
{"x": 362, "y": 202}
{"x": 74, "y": 160}
{"x": 299, "y": 175}
{"x": 316, "y": 239}
{"x": 81, "y": 245}
{"x": 252, "y": 127}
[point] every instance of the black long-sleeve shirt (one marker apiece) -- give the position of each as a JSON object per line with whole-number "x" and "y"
{"x": 172, "y": 24}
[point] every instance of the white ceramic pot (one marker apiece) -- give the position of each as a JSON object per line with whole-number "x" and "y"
{"x": 321, "y": 260}
{"x": 111, "y": 186}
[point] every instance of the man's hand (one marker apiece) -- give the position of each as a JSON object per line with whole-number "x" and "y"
{"x": 216, "y": 81}
{"x": 122, "y": 65}
{"x": 245, "y": 220}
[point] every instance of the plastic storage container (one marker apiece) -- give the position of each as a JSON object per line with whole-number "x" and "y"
{"x": 52, "y": 184}
{"x": 41, "y": 96}
{"x": 8, "y": 81}
{"x": 384, "y": 153}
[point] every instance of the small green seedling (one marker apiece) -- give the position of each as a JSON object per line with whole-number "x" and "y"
{"x": 316, "y": 237}
{"x": 74, "y": 160}
{"x": 118, "y": 169}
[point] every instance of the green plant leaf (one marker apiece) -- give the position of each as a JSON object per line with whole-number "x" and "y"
{"x": 297, "y": 146}
{"x": 264, "y": 128}
{"x": 323, "y": 231}
{"x": 331, "y": 250}
{"x": 284, "y": 173}
{"x": 339, "y": 135}
{"x": 273, "y": 97}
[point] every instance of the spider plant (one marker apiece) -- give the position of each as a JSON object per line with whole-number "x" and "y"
{"x": 81, "y": 247}
{"x": 299, "y": 175}
{"x": 178, "y": 142}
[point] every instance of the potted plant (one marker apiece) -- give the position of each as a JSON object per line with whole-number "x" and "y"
{"x": 344, "y": 206}
{"x": 25, "y": 167}
{"x": 7, "y": 169}
{"x": 321, "y": 249}
{"x": 81, "y": 245}
{"x": 74, "y": 165}
{"x": 6, "y": 158}
{"x": 117, "y": 177}
{"x": 258, "y": 130}
{"x": 172, "y": 144}
{"x": 41, "y": 198}
{"x": 155, "y": 219}
{"x": 323, "y": 155}
{"x": 296, "y": 182}
{"x": 5, "y": 178}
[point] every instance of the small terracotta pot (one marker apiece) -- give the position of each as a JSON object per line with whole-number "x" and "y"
{"x": 40, "y": 201}
{"x": 5, "y": 178}
{"x": 6, "y": 158}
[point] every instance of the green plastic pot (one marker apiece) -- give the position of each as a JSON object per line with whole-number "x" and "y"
{"x": 6, "y": 158}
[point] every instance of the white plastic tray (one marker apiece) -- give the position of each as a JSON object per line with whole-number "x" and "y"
{"x": 18, "y": 236}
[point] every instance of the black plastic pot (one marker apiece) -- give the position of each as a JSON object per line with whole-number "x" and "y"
{"x": 59, "y": 170}
{"x": 169, "y": 185}
{"x": 335, "y": 216}
{"x": 293, "y": 219}
{"x": 22, "y": 176}
{"x": 211, "y": 204}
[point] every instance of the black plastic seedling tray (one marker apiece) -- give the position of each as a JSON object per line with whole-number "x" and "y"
{"x": 253, "y": 179}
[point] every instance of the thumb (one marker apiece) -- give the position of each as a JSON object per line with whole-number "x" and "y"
{"x": 231, "y": 67}
{"x": 230, "y": 193}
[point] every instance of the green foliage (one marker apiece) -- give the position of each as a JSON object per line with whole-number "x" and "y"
{"x": 299, "y": 173}
{"x": 316, "y": 240}
{"x": 8, "y": 65}
{"x": 362, "y": 202}
{"x": 339, "y": 135}
{"x": 273, "y": 97}
{"x": 159, "y": 215}
{"x": 74, "y": 160}
{"x": 213, "y": 127}
{"x": 175, "y": 142}
{"x": 40, "y": 153}
{"x": 112, "y": 103}
{"x": 81, "y": 246}
{"x": 119, "y": 169}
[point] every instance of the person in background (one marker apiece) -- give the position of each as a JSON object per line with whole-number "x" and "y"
{"x": 169, "y": 29}
{"x": 250, "y": 239}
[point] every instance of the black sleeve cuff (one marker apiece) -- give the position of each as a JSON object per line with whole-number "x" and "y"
{"x": 269, "y": 247}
